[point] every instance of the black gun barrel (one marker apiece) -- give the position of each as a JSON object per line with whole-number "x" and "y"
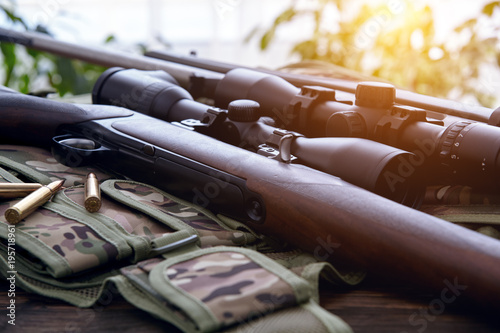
{"x": 405, "y": 97}
{"x": 102, "y": 56}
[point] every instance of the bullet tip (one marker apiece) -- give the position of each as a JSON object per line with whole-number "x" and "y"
{"x": 56, "y": 185}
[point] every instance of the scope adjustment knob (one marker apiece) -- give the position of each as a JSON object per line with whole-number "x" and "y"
{"x": 243, "y": 110}
{"x": 346, "y": 124}
{"x": 375, "y": 95}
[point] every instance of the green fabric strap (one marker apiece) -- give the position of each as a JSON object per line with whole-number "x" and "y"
{"x": 8, "y": 176}
{"x": 109, "y": 188}
{"x": 25, "y": 170}
{"x": 476, "y": 214}
{"x": 472, "y": 218}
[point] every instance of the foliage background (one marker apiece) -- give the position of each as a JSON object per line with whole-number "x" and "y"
{"x": 395, "y": 40}
{"x": 24, "y": 67}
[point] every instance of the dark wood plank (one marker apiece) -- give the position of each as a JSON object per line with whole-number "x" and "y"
{"x": 374, "y": 306}
{"x": 386, "y": 306}
{"x": 35, "y": 313}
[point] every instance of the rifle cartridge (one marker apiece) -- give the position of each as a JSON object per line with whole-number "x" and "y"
{"x": 92, "y": 194}
{"x": 29, "y": 204}
{"x": 17, "y": 190}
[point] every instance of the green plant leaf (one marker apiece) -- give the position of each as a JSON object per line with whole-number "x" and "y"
{"x": 489, "y": 8}
{"x": 251, "y": 34}
{"x": 9, "y": 60}
{"x": 109, "y": 39}
{"x": 267, "y": 38}
{"x": 285, "y": 16}
{"x": 24, "y": 81}
{"x": 12, "y": 16}
{"x": 306, "y": 49}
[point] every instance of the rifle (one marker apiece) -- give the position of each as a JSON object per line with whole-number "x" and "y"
{"x": 452, "y": 142}
{"x": 369, "y": 230}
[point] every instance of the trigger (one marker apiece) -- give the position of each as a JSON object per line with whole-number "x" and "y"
{"x": 79, "y": 143}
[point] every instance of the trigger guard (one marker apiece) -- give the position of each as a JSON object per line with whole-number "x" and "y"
{"x": 75, "y": 152}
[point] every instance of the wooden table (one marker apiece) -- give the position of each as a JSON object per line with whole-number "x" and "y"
{"x": 374, "y": 306}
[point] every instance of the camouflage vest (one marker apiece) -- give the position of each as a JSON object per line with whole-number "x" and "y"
{"x": 179, "y": 262}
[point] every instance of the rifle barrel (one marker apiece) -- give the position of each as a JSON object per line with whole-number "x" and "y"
{"x": 101, "y": 56}
{"x": 405, "y": 97}
{"x": 183, "y": 68}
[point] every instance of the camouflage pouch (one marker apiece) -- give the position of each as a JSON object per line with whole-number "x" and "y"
{"x": 65, "y": 252}
{"x": 135, "y": 221}
{"x": 44, "y": 236}
{"x": 471, "y": 208}
{"x": 226, "y": 289}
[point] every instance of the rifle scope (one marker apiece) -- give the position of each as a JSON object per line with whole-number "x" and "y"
{"x": 374, "y": 166}
{"x": 449, "y": 147}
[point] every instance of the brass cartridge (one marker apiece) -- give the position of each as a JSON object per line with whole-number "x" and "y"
{"x": 27, "y": 205}
{"x": 92, "y": 194}
{"x": 17, "y": 190}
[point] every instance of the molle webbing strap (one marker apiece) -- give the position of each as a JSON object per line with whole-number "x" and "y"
{"x": 469, "y": 207}
{"x": 27, "y": 171}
